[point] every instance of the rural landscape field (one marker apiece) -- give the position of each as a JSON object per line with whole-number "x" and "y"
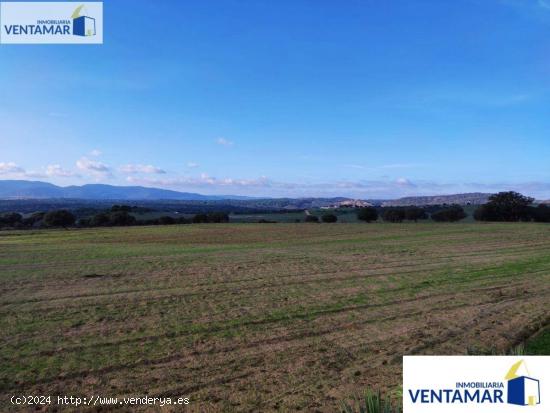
{"x": 260, "y": 317}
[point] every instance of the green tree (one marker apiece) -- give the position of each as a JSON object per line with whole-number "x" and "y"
{"x": 121, "y": 219}
{"x": 329, "y": 218}
{"x": 505, "y": 206}
{"x": 541, "y": 213}
{"x": 100, "y": 220}
{"x": 59, "y": 218}
{"x": 166, "y": 220}
{"x": 10, "y": 219}
{"x": 367, "y": 214}
{"x": 414, "y": 213}
{"x": 200, "y": 219}
{"x": 218, "y": 217}
{"x": 451, "y": 214}
{"x": 34, "y": 219}
{"x": 393, "y": 215}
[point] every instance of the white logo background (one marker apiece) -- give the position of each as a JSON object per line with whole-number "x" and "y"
{"x": 443, "y": 372}
{"x": 27, "y": 13}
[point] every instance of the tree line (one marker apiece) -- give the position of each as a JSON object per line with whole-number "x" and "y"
{"x": 117, "y": 216}
{"x": 452, "y": 213}
{"x": 502, "y": 207}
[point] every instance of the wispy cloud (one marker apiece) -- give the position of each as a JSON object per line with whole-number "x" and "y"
{"x": 404, "y": 182}
{"x": 203, "y": 181}
{"x": 10, "y": 168}
{"x": 192, "y": 165}
{"x": 95, "y": 152}
{"x": 34, "y": 175}
{"x": 365, "y": 189}
{"x": 95, "y": 168}
{"x": 58, "y": 171}
{"x": 224, "y": 142}
{"x": 145, "y": 169}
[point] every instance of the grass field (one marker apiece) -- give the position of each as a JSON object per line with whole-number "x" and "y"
{"x": 260, "y": 317}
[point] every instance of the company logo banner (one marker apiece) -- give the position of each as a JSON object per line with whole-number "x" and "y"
{"x": 458, "y": 384}
{"x": 51, "y": 23}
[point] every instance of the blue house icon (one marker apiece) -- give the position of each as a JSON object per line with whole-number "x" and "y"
{"x": 522, "y": 390}
{"x": 84, "y": 26}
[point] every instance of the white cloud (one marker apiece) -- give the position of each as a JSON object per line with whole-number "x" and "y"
{"x": 34, "y": 174}
{"x": 145, "y": 169}
{"x": 224, "y": 142}
{"x": 362, "y": 189}
{"x": 58, "y": 171}
{"x": 95, "y": 152}
{"x": 203, "y": 181}
{"x": 192, "y": 165}
{"x": 10, "y": 168}
{"x": 98, "y": 169}
{"x": 404, "y": 182}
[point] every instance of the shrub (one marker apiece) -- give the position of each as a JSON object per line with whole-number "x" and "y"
{"x": 121, "y": 219}
{"x": 414, "y": 213}
{"x": 200, "y": 219}
{"x": 99, "y": 220}
{"x": 183, "y": 220}
{"x": 367, "y": 214}
{"x": 84, "y": 222}
{"x": 394, "y": 215}
{"x": 372, "y": 402}
{"x": 541, "y": 213}
{"x": 59, "y": 218}
{"x": 34, "y": 219}
{"x": 451, "y": 214}
{"x": 148, "y": 222}
{"x": 311, "y": 218}
{"x": 329, "y": 218}
{"x": 10, "y": 219}
{"x": 166, "y": 220}
{"x": 217, "y": 217}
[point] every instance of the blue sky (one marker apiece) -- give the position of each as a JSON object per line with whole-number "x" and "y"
{"x": 362, "y": 98}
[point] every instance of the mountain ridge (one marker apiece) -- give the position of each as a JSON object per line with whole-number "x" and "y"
{"x": 21, "y": 189}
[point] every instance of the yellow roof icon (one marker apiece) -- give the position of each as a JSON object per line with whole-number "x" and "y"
{"x": 77, "y": 11}
{"x": 517, "y": 370}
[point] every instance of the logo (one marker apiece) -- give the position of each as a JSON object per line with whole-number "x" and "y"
{"x": 82, "y": 25}
{"x": 51, "y": 22}
{"x": 476, "y": 384}
{"x": 522, "y": 390}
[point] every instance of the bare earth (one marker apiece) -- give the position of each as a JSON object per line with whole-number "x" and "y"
{"x": 259, "y": 317}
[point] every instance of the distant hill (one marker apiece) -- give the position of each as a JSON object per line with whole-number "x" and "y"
{"x": 476, "y": 198}
{"x": 37, "y": 190}
{"x": 16, "y": 189}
